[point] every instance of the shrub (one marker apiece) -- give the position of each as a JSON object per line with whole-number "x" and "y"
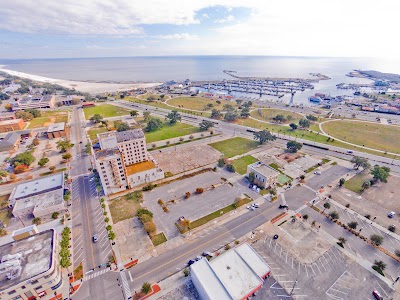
{"x": 107, "y": 220}
{"x": 37, "y": 221}
{"x": 199, "y": 190}
{"x": 55, "y": 215}
{"x": 165, "y": 209}
{"x": 376, "y": 239}
{"x": 145, "y": 218}
{"x": 334, "y": 215}
{"x": 159, "y": 201}
{"x": 352, "y": 225}
{"x": 35, "y": 141}
{"x": 392, "y": 228}
{"x": 108, "y": 227}
{"x": 397, "y": 252}
{"x": 52, "y": 168}
{"x": 187, "y": 195}
{"x": 20, "y": 169}
{"x": 227, "y": 247}
{"x": 146, "y": 288}
{"x": 221, "y": 162}
{"x": 237, "y": 242}
{"x": 181, "y": 139}
{"x": 191, "y": 137}
{"x": 144, "y": 211}
{"x": 186, "y": 272}
{"x": 150, "y": 227}
{"x": 230, "y": 168}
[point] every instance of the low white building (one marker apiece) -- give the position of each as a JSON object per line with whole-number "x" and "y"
{"x": 38, "y": 197}
{"x": 234, "y": 275}
{"x": 265, "y": 176}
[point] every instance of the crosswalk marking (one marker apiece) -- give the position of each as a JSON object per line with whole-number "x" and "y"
{"x": 93, "y": 275}
{"x": 125, "y": 285}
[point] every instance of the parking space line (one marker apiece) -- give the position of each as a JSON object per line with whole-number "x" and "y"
{"x": 306, "y": 270}
{"x": 325, "y": 259}
{"x": 318, "y": 268}
{"x": 329, "y": 256}
{"x": 292, "y": 262}
{"x": 322, "y": 264}
{"x": 331, "y": 288}
{"x": 286, "y": 256}
{"x": 299, "y": 267}
{"x": 313, "y": 270}
{"x": 333, "y": 253}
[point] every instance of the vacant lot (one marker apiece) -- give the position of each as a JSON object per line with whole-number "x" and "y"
{"x": 268, "y": 114}
{"x": 235, "y": 146}
{"x": 170, "y": 131}
{"x": 125, "y": 207}
{"x": 376, "y": 136}
{"x": 186, "y": 158}
{"x": 199, "y": 103}
{"x": 105, "y": 110}
{"x": 355, "y": 183}
{"x": 93, "y": 132}
{"x": 242, "y": 163}
{"x": 49, "y": 117}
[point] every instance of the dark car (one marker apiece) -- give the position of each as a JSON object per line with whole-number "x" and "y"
{"x": 281, "y": 206}
{"x": 377, "y": 295}
{"x": 191, "y": 262}
{"x": 276, "y": 237}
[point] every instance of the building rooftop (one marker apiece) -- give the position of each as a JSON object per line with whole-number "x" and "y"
{"x": 10, "y": 139}
{"x": 128, "y": 135}
{"x": 106, "y": 153}
{"x": 56, "y": 127}
{"x": 38, "y": 186}
{"x": 140, "y": 167}
{"x": 232, "y": 275}
{"x": 41, "y": 201}
{"x": 10, "y": 122}
{"x": 263, "y": 169}
{"x": 24, "y": 259}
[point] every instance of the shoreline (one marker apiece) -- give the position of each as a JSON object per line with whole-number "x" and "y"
{"x": 92, "y": 87}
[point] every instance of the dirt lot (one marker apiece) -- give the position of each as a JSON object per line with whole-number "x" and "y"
{"x": 378, "y": 201}
{"x": 187, "y": 158}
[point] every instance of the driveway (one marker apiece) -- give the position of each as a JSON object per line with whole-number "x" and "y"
{"x": 296, "y": 197}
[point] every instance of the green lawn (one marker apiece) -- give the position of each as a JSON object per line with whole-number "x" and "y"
{"x": 125, "y": 207}
{"x": 282, "y": 178}
{"x": 355, "y": 183}
{"x": 5, "y": 216}
{"x": 49, "y": 117}
{"x": 376, "y": 136}
{"x": 170, "y": 131}
{"x": 235, "y": 146}
{"x": 266, "y": 114}
{"x": 158, "y": 239}
{"x": 4, "y": 200}
{"x": 93, "y": 132}
{"x": 199, "y": 103}
{"x": 242, "y": 163}
{"x": 105, "y": 110}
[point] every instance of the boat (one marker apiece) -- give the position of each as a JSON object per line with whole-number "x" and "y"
{"x": 314, "y": 99}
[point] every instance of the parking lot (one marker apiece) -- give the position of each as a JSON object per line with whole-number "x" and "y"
{"x": 327, "y": 176}
{"x": 296, "y": 197}
{"x": 331, "y": 276}
{"x": 197, "y": 205}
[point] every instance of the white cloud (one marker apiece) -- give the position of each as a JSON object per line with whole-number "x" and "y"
{"x": 229, "y": 18}
{"x": 179, "y": 36}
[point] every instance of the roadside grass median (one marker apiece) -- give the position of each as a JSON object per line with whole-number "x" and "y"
{"x": 158, "y": 239}
{"x": 53, "y": 172}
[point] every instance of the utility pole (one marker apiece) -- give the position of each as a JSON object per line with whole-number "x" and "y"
{"x": 294, "y": 285}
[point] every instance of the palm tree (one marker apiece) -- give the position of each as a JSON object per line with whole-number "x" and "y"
{"x": 342, "y": 240}
{"x": 327, "y": 205}
{"x": 380, "y": 264}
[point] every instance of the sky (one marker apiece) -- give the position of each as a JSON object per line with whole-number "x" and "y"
{"x": 114, "y": 28}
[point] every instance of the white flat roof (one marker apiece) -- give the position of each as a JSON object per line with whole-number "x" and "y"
{"x": 56, "y": 127}
{"x": 252, "y": 258}
{"x": 40, "y": 202}
{"x": 38, "y": 186}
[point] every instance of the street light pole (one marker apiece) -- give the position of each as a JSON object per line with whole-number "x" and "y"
{"x": 294, "y": 285}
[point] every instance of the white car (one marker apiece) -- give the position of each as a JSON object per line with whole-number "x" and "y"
{"x": 391, "y": 214}
{"x": 317, "y": 173}
{"x": 250, "y": 207}
{"x": 255, "y": 205}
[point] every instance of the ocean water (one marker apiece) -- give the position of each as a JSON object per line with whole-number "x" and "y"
{"x": 161, "y": 69}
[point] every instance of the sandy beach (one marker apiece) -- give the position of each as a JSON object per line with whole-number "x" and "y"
{"x": 82, "y": 86}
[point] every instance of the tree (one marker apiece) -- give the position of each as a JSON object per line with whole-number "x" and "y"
{"x": 20, "y": 169}
{"x": 13, "y": 177}
{"x": 150, "y": 228}
{"x": 221, "y": 162}
{"x": 380, "y": 173}
{"x": 376, "y": 239}
{"x": 305, "y": 217}
{"x": 55, "y": 215}
{"x": 294, "y": 146}
{"x": 279, "y": 118}
{"x": 293, "y": 126}
{"x": 64, "y": 145}
{"x": 245, "y": 113}
{"x": 231, "y": 116}
{"x": 199, "y": 190}
{"x": 360, "y": 162}
{"x": 342, "y": 181}
{"x": 122, "y": 126}
{"x": 151, "y": 98}
{"x": 35, "y": 141}
{"x": 342, "y": 240}
{"x": 247, "y": 104}
{"x": 35, "y": 112}
{"x": 264, "y": 136}
{"x": 52, "y": 168}
{"x": 334, "y": 215}
{"x": 173, "y": 117}
{"x": 230, "y": 168}
{"x": 365, "y": 185}
{"x": 252, "y": 177}
{"x": 146, "y": 116}
{"x": 228, "y": 107}
{"x": 8, "y": 107}
{"x": 3, "y": 174}
{"x": 154, "y": 124}
{"x": 352, "y": 225}
{"x": 205, "y": 125}
{"x": 146, "y": 288}
{"x": 96, "y": 118}
{"x": 37, "y": 221}
{"x": 111, "y": 235}
{"x": 304, "y": 123}
{"x": 312, "y": 118}
{"x": 133, "y": 113}
{"x": 25, "y": 158}
{"x": 23, "y": 115}
{"x": 215, "y": 114}
{"x": 43, "y": 161}
{"x": 66, "y": 156}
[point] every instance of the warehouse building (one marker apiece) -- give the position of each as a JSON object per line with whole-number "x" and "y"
{"x": 56, "y": 130}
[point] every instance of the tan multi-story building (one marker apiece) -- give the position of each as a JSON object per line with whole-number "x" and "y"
{"x": 264, "y": 175}
{"x": 123, "y": 161}
{"x": 29, "y": 267}
{"x": 11, "y": 125}
{"x": 35, "y": 101}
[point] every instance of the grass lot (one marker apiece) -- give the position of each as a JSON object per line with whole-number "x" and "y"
{"x": 125, "y": 207}
{"x": 282, "y": 178}
{"x": 78, "y": 272}
{"x": 213, "y": 215}
{"x": 5, "y": 216}
{"x": 235, "y": 146}
{"x": 242, "y": 163}
{"x": 376, "y": 136}
{"x": 158, "y": 239}
{"x": 354, "y": 184}
{"x": 53, "y": 172}
{"x": 4, "y": 199}
{"x": 267, "y": 114}
{"x": 93, "y": 132}
{"x": 198, "y": 103}
{"x": 49, "y": 117}
{"x": 170, "y": 131}
{"x": 105, "y": 110}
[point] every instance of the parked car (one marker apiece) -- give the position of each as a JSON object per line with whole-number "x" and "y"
{"x": 317, "y": 173}
{"x": 377, "y": 295}
{"x": 95, "y": 239}
{"x": 199, "y": 258}
{"x": 391, "y": 214}
{"x": 209, "y": 254}
{"x": 281, "y": 206}
{"x": 255, "y": 205}
{"x": 250, "y": 207}
{"x": 182, "y": 218}
{"x": 350, "y": 152}
{"x": 191, "y": 262}
{"x": 276, "y": 237}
